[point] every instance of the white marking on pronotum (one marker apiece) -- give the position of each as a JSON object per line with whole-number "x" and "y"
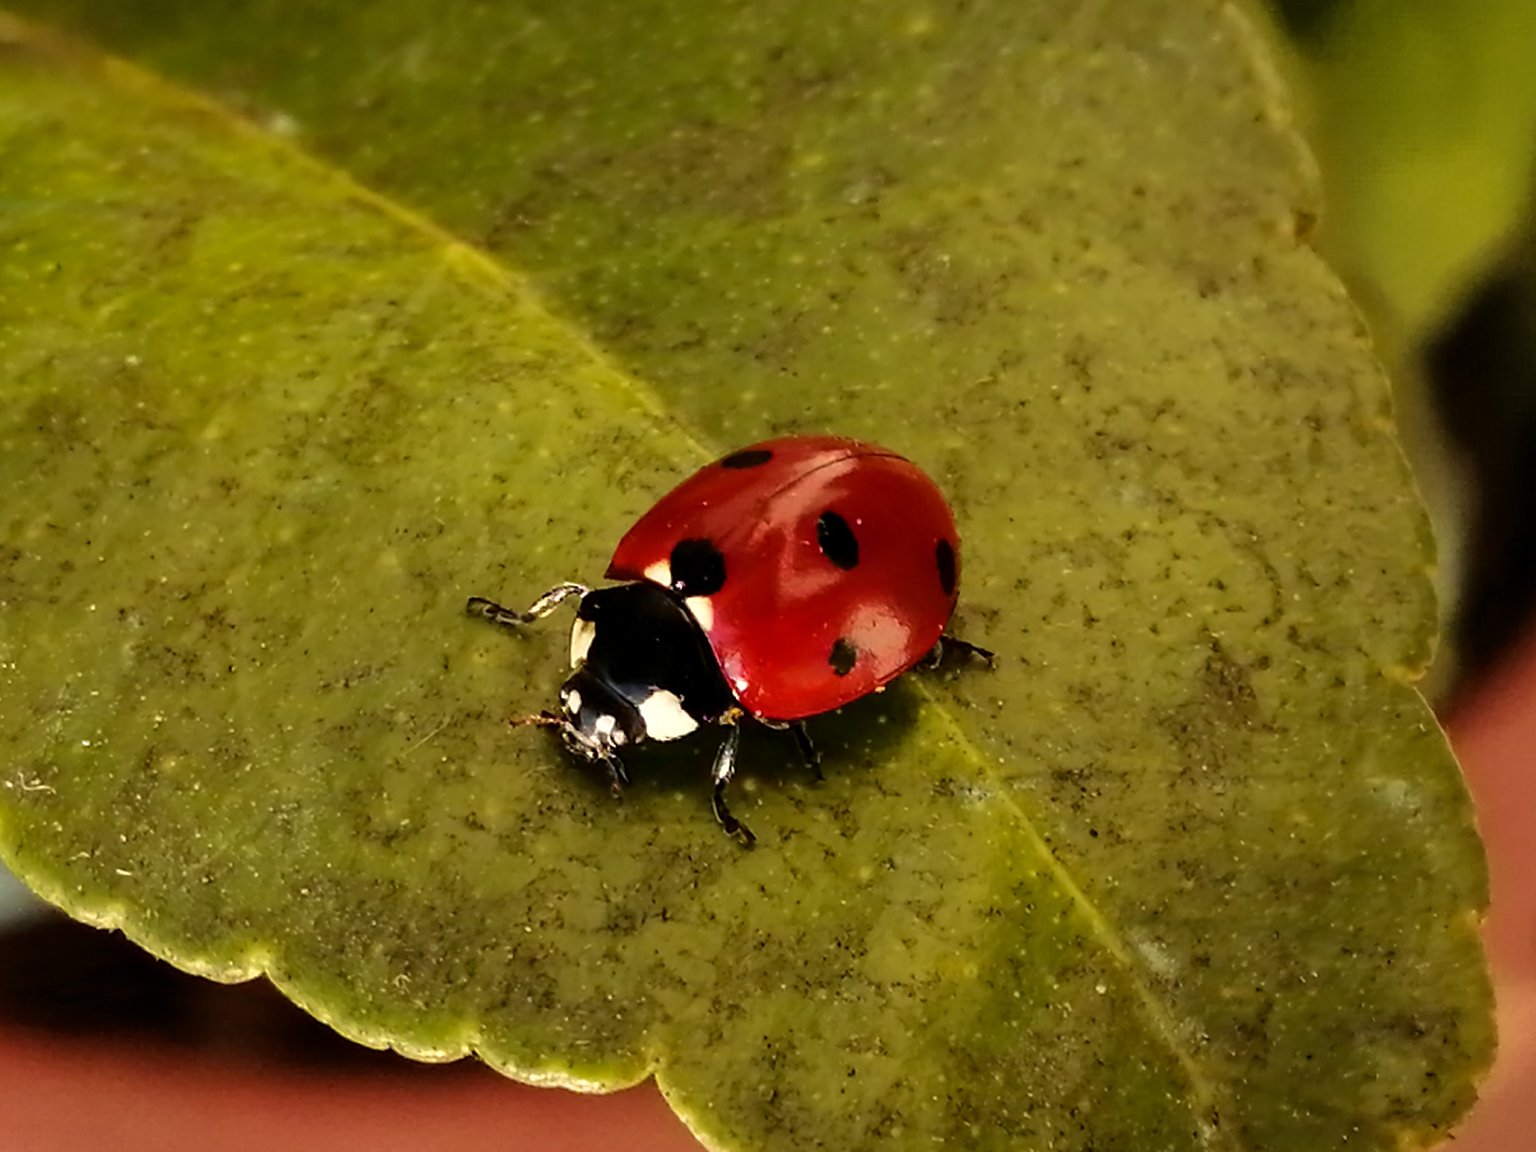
{"x": 660, "y": 573}
{"x": 582, "y": 634}
{"x": 665, "y": 717}
{"x": 572, "y": 701}
{"x": 703, "y": 611}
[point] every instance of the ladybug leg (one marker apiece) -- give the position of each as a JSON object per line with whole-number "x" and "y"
{"x": 808, "y": 751}
{"x": 724, "y": 769}
{"x": 543, "y": 606}
{"x": 617, "y": 776}
{"x": 948, "y": 644}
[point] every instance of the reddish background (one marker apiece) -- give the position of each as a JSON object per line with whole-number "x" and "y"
{"x": 1494, "y": 734}
{"x": 85, "y": 1094}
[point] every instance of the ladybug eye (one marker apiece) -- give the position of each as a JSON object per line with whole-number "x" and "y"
{"x": 843, "y": 656}
{"x": 747, "y": 458}
{"x": 837, "y": 541}
{"x": 698, "y": 569}
{"x": 944, "y": 556}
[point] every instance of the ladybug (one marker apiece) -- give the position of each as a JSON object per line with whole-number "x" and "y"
{"x": 780, "y": 582}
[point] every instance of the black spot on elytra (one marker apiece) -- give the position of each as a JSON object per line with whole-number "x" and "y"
{"x": 944, "y": 556}
{"x": 838, "y": 543}
{"x": 747, "y": 458}
{"x": 843, "y": 656}
{"x": 698, "y": 569}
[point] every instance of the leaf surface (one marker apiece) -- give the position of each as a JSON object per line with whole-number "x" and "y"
{"x": 1194, "y": 868}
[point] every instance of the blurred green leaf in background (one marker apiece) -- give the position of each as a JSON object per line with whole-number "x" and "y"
{"x": 1424, "y": 117}
{"x": 1193, "y": 869}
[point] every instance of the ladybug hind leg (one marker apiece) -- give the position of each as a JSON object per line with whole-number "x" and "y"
{"x": 809, "y": 753}
{"x": 954, "y": 646}
{"x": 540, "y": 608}
{"x": 724, "y": 769}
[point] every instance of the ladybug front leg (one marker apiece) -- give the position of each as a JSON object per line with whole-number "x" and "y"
{"x": 617, "y": 777}
{"x": 724, "y": 769}
{"x": 543, "y": 606}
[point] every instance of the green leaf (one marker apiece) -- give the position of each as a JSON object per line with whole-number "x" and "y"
{"x": 1193, "y": 868}
{"x": 1426, "y": 124}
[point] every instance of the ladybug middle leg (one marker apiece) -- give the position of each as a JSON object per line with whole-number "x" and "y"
{"x": 540, "y": 608}
{"x": 724, "y": 769}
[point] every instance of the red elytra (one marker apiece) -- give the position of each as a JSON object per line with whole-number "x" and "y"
{"x": 841, "y": 568}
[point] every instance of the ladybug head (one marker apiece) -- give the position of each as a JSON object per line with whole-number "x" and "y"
{"x": 598, "y": 721}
